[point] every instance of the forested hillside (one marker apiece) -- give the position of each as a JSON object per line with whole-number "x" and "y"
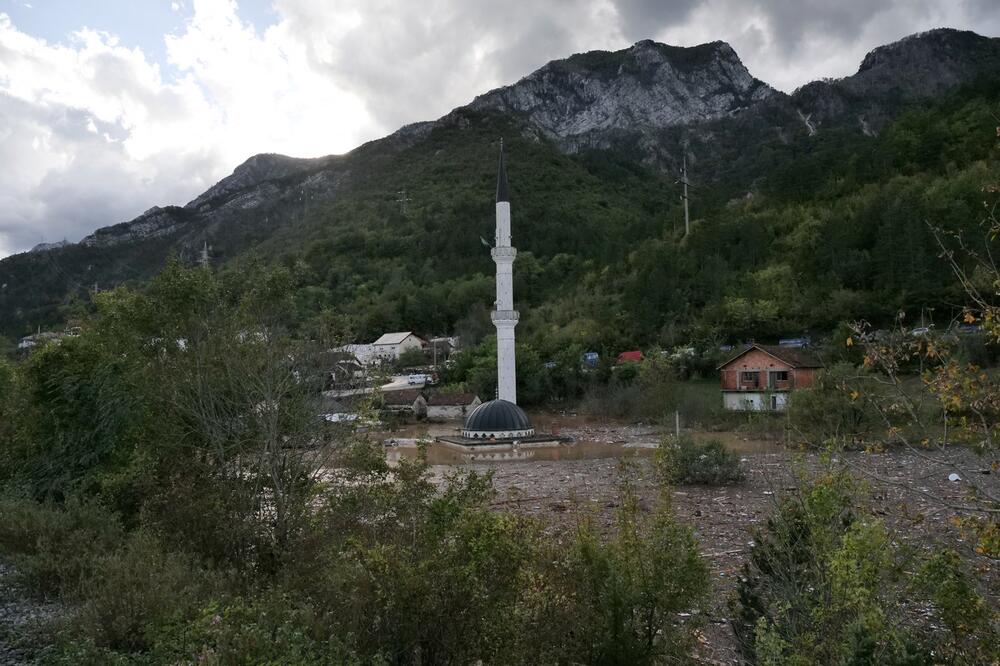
{"x": 794, "y": 230}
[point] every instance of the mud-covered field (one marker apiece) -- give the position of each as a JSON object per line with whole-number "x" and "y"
{"x": 905, "y": 489}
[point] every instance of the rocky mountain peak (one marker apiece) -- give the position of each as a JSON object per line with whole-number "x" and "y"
{"x": 648, "y": 85}
{"x": 928, "y": 62}
{"x": 255, "y": 170}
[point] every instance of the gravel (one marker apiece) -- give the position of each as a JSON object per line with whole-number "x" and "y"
{"x": 19, "y": 615}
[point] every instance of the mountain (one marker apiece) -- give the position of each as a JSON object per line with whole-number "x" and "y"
{"x": 647, "y": 86}
{"x": 595, "y": 141}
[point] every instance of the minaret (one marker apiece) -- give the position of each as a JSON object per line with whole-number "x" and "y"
{"x": 504, "y": 316}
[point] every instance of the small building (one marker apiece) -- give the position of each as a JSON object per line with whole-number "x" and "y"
{"x": 365, "y": 354}
{"x": 760, "y": 377}
{"x": 441, "y": 348}
{"x": 409, "y": 401}
{"x": 39, "y": 339}
{"x": 391, "y": 346}
{"x": 627, "y": 356}
{"x": 451, "y": 405}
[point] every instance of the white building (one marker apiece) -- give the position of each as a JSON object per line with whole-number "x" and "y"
{"x": 364, "y": 353}
{"x": 390, "y": 346}
{"x": 504, "y": 315}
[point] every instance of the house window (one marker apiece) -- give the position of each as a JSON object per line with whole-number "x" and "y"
{"x": 780, "y": 375}
{"x": 749, "y": 378}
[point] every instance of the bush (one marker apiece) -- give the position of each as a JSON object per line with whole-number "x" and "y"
{"x": 827, "y": 584}
{"x": 829, "y": 410}
{"x": 132, "y": 591}
{"x": 685, "y": 461}
{"x": 53, "y": 549}
{"x": 624, "y": 598}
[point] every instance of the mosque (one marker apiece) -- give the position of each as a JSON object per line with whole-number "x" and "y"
{"x": 501, "y": 422}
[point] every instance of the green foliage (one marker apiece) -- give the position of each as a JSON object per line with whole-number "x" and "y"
{"x": 198, "y": 527}
{"x": 831, "y": 409}
{"x": 825, "y": 583}
{"x": 791, "y": 233}
{"x": 56, "y": 548}
{"x": 412, "y": 358}
{"x": 687, "y": 462}
{"x": 624, "y": 597}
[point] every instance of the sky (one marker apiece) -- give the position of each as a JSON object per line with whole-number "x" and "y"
{"x": 110, "y": 107}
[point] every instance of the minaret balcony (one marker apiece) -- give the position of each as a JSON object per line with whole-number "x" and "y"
{"x": 505, "y": 316}
{"x": 502, "y": 254}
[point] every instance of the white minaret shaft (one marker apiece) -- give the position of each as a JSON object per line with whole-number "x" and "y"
{"x": 504, "y": 315}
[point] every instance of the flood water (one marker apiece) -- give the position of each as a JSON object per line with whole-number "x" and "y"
{"x": 592, "y": 439}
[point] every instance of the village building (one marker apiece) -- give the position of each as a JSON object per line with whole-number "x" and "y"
{"x": 411, "y": 401}
{"x": 635, "y": 356}
{"x": 364, "y": 354}
{"x": 761, "y": 377}
{"x": 40, "y": 338}
{"x": 391, "y": 346}
{"x": 451, "y": 405}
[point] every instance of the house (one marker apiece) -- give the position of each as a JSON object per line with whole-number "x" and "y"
{"x": 390, "y": 346}
{"x": 451, "y": 405}
{"x": 760, "y": 377}
{"x": 40, "y": 338}
{"x": 412, "y": 401}
{"x": 629, "y": 356}
{"x": 365, "y": 354}
{"x": 441, "y": 348}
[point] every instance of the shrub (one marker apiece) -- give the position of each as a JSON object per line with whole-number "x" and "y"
{"x": 829, "y": 410}
{"x": 827, "y": 584}
{"x": 133, "y": 590}
{"x": 685, "y": 461}
{"x": 53, "y": 549}
{"x": 620, "y": 600}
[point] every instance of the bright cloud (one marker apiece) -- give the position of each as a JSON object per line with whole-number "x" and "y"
{"x": 93, "y": 131}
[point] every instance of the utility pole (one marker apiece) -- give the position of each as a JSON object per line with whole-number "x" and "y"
{"x": 402, "y": 200}
{"x": 684, "y": 179}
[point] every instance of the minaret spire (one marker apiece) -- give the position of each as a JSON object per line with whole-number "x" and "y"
{"x": 502, "y": 178}
{"x": 504, "y": 316}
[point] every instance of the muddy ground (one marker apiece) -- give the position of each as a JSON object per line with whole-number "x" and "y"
{"x": 910, "y": 493}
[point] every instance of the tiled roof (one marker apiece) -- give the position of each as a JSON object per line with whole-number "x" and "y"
{"x": 794, "y": 357}
{"x": 441, "y": 399}
{"x": 405, "y": 397}
{"x": 393, "y": 338}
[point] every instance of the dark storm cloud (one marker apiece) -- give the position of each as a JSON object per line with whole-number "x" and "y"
{"x": 640, "y": 19}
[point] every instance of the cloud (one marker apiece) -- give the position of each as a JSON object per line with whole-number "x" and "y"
{"x": 93, "y": 132}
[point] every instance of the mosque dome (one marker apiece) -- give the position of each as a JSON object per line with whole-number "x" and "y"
{"x": 497, "y": 419}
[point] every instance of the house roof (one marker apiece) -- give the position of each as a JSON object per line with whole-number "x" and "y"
{"x": 442, "y": 399}
{"x": 405, "y": 397}
{"x": 630, "y": 356}
{"x": 796, "y": 358}
{"x": 393, "y": 338}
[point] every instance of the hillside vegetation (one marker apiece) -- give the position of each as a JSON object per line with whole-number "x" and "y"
{"x": 835, "y": 228}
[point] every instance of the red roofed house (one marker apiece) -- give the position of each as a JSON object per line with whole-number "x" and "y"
{"x": 760, "y": 377}
{"x": 629, "y": 356}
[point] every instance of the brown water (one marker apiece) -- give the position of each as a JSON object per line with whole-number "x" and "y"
{"x": 593, "y": 438}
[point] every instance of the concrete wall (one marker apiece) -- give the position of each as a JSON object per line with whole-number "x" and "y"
{"x": 445, "y": 411}
{"x": 754, "y": 401}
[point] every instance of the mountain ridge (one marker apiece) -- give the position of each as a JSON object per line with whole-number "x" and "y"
{"x": 736, "y": 137}
{"x": 813, "y": 104}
